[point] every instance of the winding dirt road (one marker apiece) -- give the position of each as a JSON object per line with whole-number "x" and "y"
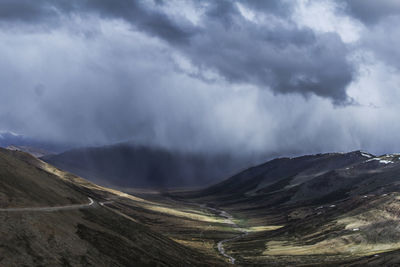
{"x": 220, "y": 245}
{"x": 49, "y": 209}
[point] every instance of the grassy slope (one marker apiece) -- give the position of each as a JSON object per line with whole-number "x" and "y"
{"x": 96, "y": 236}
{"x": 23, "y": 184}
{"x": 353, "y": 230}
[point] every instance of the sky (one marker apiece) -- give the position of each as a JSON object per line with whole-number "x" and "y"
{"x": 251, "y": 76}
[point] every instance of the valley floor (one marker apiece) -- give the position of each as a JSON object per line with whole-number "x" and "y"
{"x": 348, "y": 232}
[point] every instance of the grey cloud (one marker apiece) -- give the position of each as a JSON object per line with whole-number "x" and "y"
{"x": 319, "y": 67}
{"x": 277, "y": 7}
{"x": 372, "y": 11}
{"x": 381, "y": 41}
{"x": 223, "y": 8}
{"x": 136, "y": 13}
{"x": 122, "y": 85}
{"x": 132, "y": 11}
{"x": 380, "y": 37}
{"x": 283, "y": 58}
{"x": 25, "y": 11}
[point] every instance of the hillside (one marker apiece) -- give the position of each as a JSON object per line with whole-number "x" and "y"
{"x": 285, "y": 171}
{"x": 139, "y": 166}
{"x": 53, "y": 218}
{"x": 308, "y": 179}
{"x": 325, "y": 209}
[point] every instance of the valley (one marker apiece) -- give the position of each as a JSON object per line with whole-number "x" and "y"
{"x": 204, "y": 133}
{"x": 321, "y": 209}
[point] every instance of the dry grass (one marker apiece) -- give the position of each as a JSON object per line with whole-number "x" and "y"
{"x": 189, "y": 214}
{"x": 263, "y": 228}
{"x": 367, "y": 231}
{"x": 206, "y": 247}
{"x": 84, "y": 183}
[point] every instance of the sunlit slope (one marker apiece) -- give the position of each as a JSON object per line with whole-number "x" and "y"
{"x": 349, "y": 231}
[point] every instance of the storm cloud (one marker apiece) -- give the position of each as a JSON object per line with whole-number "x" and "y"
{"x": 277, "y": 55}
{"x": 280, "y": 77}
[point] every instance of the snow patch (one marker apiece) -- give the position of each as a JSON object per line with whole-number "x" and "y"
{"x": 383, "y": 161}
{"x": 366, "y": 155}
{"x": 393, "y": 155}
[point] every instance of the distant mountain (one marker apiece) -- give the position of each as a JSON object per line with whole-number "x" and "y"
{"x": 36, "y": 152}
{"x": 17, "y": 140}
{"x": 9, "y": 138}
{"x": 139, "y": 166}
{"x": 313, "y": 178}
{"x": 289, "y": 174}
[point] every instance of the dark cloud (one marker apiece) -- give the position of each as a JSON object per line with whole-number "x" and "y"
{"x": 278, "y": 56}
{"x": 372, "y": 11}
{"x": 129, "y": 80}
{"x": 140, "y": 16}
{"x": 132, "y": 11}
{"x": 25, "y": 11}
{"x": 286, "y": 60}
{"x": 277, "y": 7}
